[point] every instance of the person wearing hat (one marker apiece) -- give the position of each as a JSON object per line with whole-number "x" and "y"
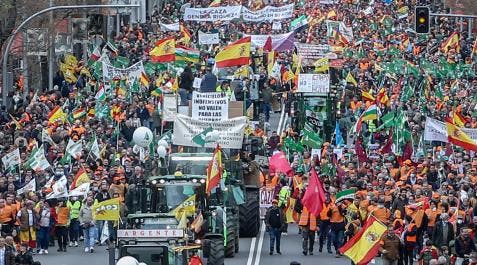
{"x": 337, "y": 225}
{"x": 274, "y": 221}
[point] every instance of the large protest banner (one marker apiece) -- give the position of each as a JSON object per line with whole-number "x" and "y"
{"x": 309, "y": 53}
{"x": 268, "y": 13}
{"x": 223, "y": 13}
{"x": 314, "y": 83}
{"x": 435, "y": 130}
{"x": 210, "y": 107}
{"x": 133, "y": 72}
{"x": 231, "y": 131}
{"x": 170, "y": 27}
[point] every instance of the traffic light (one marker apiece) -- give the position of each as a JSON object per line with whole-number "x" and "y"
{"x": 422, "y": 19}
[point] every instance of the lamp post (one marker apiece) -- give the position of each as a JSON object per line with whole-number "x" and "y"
{"x": 6, "y": 89}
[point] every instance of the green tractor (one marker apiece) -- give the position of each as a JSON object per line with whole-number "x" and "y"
{"x": 249, "y": 210}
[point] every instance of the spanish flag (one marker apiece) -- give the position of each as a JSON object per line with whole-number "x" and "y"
{"x": 382, "y": 96}
{"x": 453, "y": 42}
{"x": 165, "y": 51}
{"x": 187, "y": 36}
{"x": 364, "y": 246}
{"x": 214, "y": 170}
{"x": 235, "y": 54}
{"x": 458, "y": 118}
{"x": 144, "y": 79}
{"x": 215, "y": 3}
{"x": 56, "y": 114}
{"x": 456, "y": 136}
{"x": 80, "y": 178}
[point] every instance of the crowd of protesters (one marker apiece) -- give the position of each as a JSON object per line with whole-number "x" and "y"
{"x": 423, "y": 191}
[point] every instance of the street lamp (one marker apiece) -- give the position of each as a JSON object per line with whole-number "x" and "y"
{"x": 6, "y": 52}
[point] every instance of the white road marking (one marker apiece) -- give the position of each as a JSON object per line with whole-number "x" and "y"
{"x": 260, "y": 243}
{"x": 252, "y": 251}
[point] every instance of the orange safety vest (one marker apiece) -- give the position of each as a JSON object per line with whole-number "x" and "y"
{"x": 6, "y": 214}
{"x": 409, "y": 238}
{"x": 324, "y": 213}
{"x": 63, "y": 216}
{"x": 307, "y": 219}
{"x": 336, "y": 216}
{"x": 382, "y": 214}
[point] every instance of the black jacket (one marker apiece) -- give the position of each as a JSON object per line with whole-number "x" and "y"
{"x": 438, "y": 234}
{"x": 274, "y": 218}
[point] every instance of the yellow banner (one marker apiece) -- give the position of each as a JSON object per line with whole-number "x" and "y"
{"x": 107, "y": 210}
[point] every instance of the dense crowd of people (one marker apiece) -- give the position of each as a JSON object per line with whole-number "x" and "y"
{"x": 423, "y": 191}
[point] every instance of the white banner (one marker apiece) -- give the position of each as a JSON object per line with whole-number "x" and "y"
{"x": 133, "y": 72}
{"x": 435, "y": 130}
{"x": 11, "y": 159}
{"x": 259, "y": 40}
{"x": 314, "y": 83}
{"x": 30, "y": 186}
{"x": 277, "y": 25}
{"x": 210, "y": 107}
{"x": 170, "y": 27}
{"x": 208, "y": 38}
{"x": 231, "y": 131}
{"x": 81, "y": 190}
{"x": 266, "y": 197}
{"x": 223, "y": 13}
{"x": 268, "y": 13}
{"x": 170, "y": 107}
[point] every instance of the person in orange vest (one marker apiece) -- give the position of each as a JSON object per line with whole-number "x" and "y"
{"x": 410, "y": 240}
{"x": 61, "y": 229}
{"x": 324, "y": 221}
{"x": 7, "y": 217}
{"x": 382, "y": 213}
{"x": 337, "y": 225}
{"x": 308, "y": 228}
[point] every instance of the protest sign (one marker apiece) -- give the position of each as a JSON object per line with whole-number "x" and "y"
{"x": 208, "y": 38}
{"x": 170, "y": 27}
{"x": 210, "y": 106}
{"x": 133, "y": 72}
{"x": 223, "y": 13}
{"x": 170, "y": 107}
{"x": 435, "y": 130}
{"x": 268, "y": 13}
{"x": 309, "y": 53}
{"x": 231, "y": 131}
{"x": 197, "y": 82}
{"x": 314, "y": 83}
{"x": 11, "y": 159}
{"x": 280, "y": 42}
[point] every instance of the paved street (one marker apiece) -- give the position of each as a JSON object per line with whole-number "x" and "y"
{"x": 74, "y": 256}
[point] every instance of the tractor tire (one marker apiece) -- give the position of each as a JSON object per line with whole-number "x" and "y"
{"x": 230, "y": 248}
{"x": 250, "y": 214}
{"x": 217, "y": 252}
{"x": 237, "y": 244}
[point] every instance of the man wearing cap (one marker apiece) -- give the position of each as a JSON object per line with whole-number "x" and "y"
{"x": 463, "y": 246}
{"x": 390, "y": 247}
{"x": 274, "y": 221}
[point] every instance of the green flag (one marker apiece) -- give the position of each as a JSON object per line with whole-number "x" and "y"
{"x": 199, "y": 139}
{"x": 121, "y": 62}
{"x": 311, "y": 139}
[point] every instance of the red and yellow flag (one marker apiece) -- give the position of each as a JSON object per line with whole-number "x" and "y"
{"x": 214, "y": 170}
{"x": 364, "y": 246}
{"x": 453, "y": 42}
{"x": 474, "y": 49}
{"x": 187, "y": 36}
{"x": 165, "y": 51}
{"x": 144, "y": 79}
{"x": 456, "y": 136}
{"x": 382, "y": 96}
{"x": 56, "y": 114}
{"x": 235, "y": 54}
{"x": 367, "y": 96}
{"x": 81, "y": 177}
{"x": 215, "y": 3}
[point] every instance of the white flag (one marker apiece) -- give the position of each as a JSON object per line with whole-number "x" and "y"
{"x": 95, "y": 148}
{"x": 37, "y": 160}
{"x": 31, "y": 186}
{"x": 45, "y": 137}
{"x": 74, "y": 149}
{"x": 11, "y": 159}
{"x": 81, "y": 190}
{"x": 105, "y": 233}
{"x": 59, "y": 189}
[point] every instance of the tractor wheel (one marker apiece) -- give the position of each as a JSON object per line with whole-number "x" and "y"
{"x": 237, "y": 244}
{"x": 216, "y": 251}
{"x": 250, "y": 214}
{"x": 230, "y": 248}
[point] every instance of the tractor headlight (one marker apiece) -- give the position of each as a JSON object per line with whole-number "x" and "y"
{"x": 198, "y": 241}
{"x": 136, "y": 221}
{"x": 202, "y": 181}
{"x": 162, "y": 181}
{"x": 154, "y": 182}
{"x": 194, "y": 180}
